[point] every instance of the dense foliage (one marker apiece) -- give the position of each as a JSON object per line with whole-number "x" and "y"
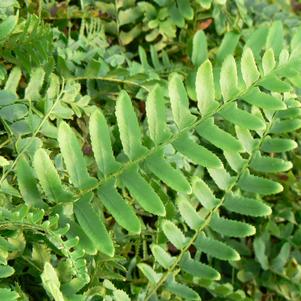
{"x": 150, "y": 150}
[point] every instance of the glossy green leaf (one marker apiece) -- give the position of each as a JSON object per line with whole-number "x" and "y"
{"x": 277, "y": 145}
{"x": 199, "y": 48}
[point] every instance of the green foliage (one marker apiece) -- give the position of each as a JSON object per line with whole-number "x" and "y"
{"x": 159, "y": 171}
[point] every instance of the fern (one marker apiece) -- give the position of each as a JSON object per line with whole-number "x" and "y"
{"x": 235, "y": 163}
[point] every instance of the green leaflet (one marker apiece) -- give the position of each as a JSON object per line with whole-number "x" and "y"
{"x": 263, "y": 100}
{"x": 165, "y": 172}
{"x": 246, "y": 206}
{"x": 268, "y": 61}
{"x": 13, "y": 80}
{"x": 179, "y": 102}
{"x": 277, "y": 145}
{"x": 92, "y": 225}
{"x": 196, "y": 153}
{"x": 185, "y": 9}
{"x": 51, "y": 282}
{"x": 241, "y": 118}
{"x": 162, "y": 257}
{"x": 73, "y": 157}
{"x": 257, "y": 39}
{"x": 249, "y": 69}
{"x": 218, "y": 137}
{"x": 7, "y": 27}
{"x": 182, "y": 291}
{"x": 251, "y": 183}
{"x": 101, "y": 144}
{"x": 49, "y": 178}
{"x": 155, "y": 112}
{"x": 9, "y": 295}
{"x": 149, "y": 273}
{"x": 199, "y": 48}
{"x": 122, "y": 212}
{"x": 273, "y": 83}
{"x": 269, "y": 164}
{"x": 204, "y": 194}
{"x": 32, "y": 91}
{"x": 285, "y": 126}
{"x": 84, "y": 241}
{"x": 142, "y": 192}
{"x": 221, "y": 177}
{"x": 217, "y": 249}
{"x": 275, "y": 37}
{"x": 205, "y": 89}
{"x": 235, "y": 160}
{"x": 28, "y": 184}
{"x": 128, "y": 125}
{"x": 174, "y": 234}
{"x": 231, "y": 228}
{"x": 228, "y": 78}
{"x": 198, "y": 269}
{"x": 189, "y": 214}
{"x": 6, "y": 271}
{"x": 227, "y": 46}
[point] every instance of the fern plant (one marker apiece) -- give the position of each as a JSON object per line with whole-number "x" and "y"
{"x": 162, "y": 189}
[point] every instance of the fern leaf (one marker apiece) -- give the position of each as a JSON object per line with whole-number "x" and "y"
{"x": 179, "y": 102}
{"x": 189, "y": 214}
{"x": 174, "y": 234}
{"x": 218, "y": 137}
{"x": 93, "y": 226}
{"x": 165, "y": 172}
{"x": 73, "y": 157}
{"x": 231, "y": 228}
{"x": 199, "y": 48}
{"x": 249, "y": 69}
{"x": 246, "y": 206}
{"x": 263, "y": 100}
{"x": 241, "y": 118}
{"x": 49, "y": 178}
{"x": 143, "y": 192}
{"x": 128, "y": 125}
{"x": 162, "y": 257}
{"x": 277, "y": 145}
{"x": 155, "y": 112}
{"x": 182, "y": 291}
{"x": 196, "y": 153}
{"x": 7, "y": 27}
{"x": 101, "y": 144}
{"x": 198, "y": 269}
{"x": 228, "y": 78}
{"x": 28, "y": 184}
{"x": 259, "y": 185}
{"x": 122, "y": 212}
{"x": 149, "y": 273}
{"x": 205, "y": 89}
{"x": 216, "y": 249}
